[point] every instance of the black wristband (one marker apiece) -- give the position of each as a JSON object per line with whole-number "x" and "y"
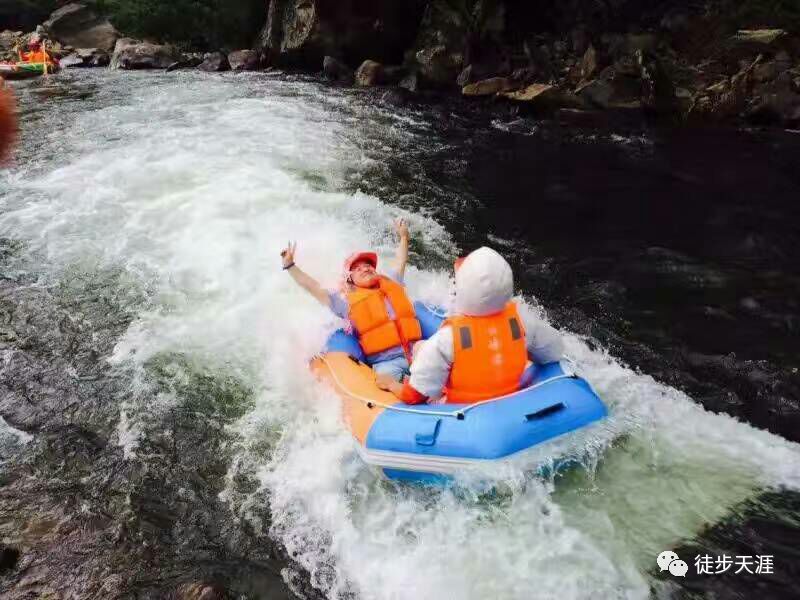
{"x": 289, "y": 266}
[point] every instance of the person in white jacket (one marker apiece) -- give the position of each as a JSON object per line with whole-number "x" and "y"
{"x": 488, "y": 340}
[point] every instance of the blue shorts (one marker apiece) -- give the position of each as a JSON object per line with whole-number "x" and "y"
{"x": 396, "y": 367}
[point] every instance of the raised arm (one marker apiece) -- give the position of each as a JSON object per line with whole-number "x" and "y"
{"x": 401, "y": 258}
{"x": 303, "y": 279}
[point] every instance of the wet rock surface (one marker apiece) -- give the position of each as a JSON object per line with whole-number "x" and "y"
{"x": 369, "y": 74}
{"x": 86, "y": 57}
{"x": 85, "y": 512}
{"x": 675, "y": 63}
{"x": 133, "y": 54}
{"x": 78, "y": 25}
{"x": 244, "y": 60}
{"x": 302, "y": 33}
{"x": 215, "y": 62}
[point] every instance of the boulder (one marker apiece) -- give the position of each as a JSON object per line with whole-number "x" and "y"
{"x": 300, "y": 33}
{"x": 588, "y": 64}
{"x": 438, "y": 65}
{"x": 776, "y": 102}
{"x": 200, "y": 590}
{"x": 465, "y": 77}
{"x": 758, "y": 39}
{"x": 244, "y": 60}
{"x": 394, "y": 74}
{"x": 544, "y": 96}
{"x": 771, "y": 70}
{"x": 453, "y": 35}
{"x": 71, "y": 61}
{"x": 488, "y": 87}
{"x": 86, "y": 57}
{"x": 215, "y": 62}
{"x": 410, "y": 82}
{"x": 134, "y": 54}
{"x": 727, "y": 98}
{"x": 777, "y": 108}
{"x": 336, "y": 70}
{"x": 190, "y": 62}
{"x": 10, "y": 39}
{"x": 370, "y": 73}
{"x": 525, "y": 76}
{"x": 596, "y": 93}
{"x": 78, "y": 25}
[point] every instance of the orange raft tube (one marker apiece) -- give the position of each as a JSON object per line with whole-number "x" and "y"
{"x": 433, "y": 443}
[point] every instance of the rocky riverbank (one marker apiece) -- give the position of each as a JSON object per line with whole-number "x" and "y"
{"x": 662, "y": 60}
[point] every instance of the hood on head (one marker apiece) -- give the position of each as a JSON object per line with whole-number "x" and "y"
{"x": 484, "y": 283}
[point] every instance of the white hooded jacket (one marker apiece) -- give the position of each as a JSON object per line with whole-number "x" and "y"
{"x": 484, "y": 285}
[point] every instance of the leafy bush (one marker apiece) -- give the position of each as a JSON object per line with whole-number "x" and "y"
{"x": 196, "y": 24}
{"x": 24, "y": 14}
{"x": 783, "y": 14}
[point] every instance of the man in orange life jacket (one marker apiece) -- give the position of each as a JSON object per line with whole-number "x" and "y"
{"x": 481, "y": 351}
{"x": 37, "y": 54}
{"x": 377, "y": 306}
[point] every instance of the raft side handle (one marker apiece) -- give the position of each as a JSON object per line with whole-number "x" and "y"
{"x": 429, "y": 438}
{"x": 544, "y": 412}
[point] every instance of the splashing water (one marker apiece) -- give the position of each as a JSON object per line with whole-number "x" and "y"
{"x": 193, "y": 184}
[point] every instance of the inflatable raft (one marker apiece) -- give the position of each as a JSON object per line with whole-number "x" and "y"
{"x": 22, "y": 70}
{"x": 432, "y": 443}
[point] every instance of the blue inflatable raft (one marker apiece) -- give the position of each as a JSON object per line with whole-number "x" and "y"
{"x": 431, "y": 443}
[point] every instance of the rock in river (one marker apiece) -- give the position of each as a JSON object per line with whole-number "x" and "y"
{"x": 79, "y": 26}
{"x": 134, "y": 54}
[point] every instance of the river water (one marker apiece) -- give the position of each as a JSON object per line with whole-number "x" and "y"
{"x": 141, "y": 226}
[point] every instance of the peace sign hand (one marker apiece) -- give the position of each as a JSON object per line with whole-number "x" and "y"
{"x": 287, "y": 254}
{"x": 401, "y": 226}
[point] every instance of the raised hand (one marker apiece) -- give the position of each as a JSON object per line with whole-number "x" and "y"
{"x": 287, "y": 254}
{"x": 401, "y": 226}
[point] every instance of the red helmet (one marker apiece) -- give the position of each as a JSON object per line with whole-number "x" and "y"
{"x": 357, "y": 257}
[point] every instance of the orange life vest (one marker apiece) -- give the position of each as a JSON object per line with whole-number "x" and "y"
{"x": 37, "y": 56}
{"x": 376, "y": 331}
{"x": 489, "y": 356}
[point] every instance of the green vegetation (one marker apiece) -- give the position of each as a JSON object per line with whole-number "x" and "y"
{"x": 24, "y": 14}
{"x": 192, "y": 24}
{"x": 753, "y": 14}
{"x": 775, "y": 13}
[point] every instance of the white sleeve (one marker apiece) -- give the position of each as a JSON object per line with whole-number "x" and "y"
{"x": 544, "y": 342}
{"x": 433, "y": 359}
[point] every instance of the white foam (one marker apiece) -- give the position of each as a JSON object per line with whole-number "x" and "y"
{"x": 194, "y": 184}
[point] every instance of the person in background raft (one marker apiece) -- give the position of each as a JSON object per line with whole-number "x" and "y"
{"x": 36, "y": 53}
{"x": 8, "y": 122}
{"x": 481, "y": 351}
{"x": 377, "y": 306}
